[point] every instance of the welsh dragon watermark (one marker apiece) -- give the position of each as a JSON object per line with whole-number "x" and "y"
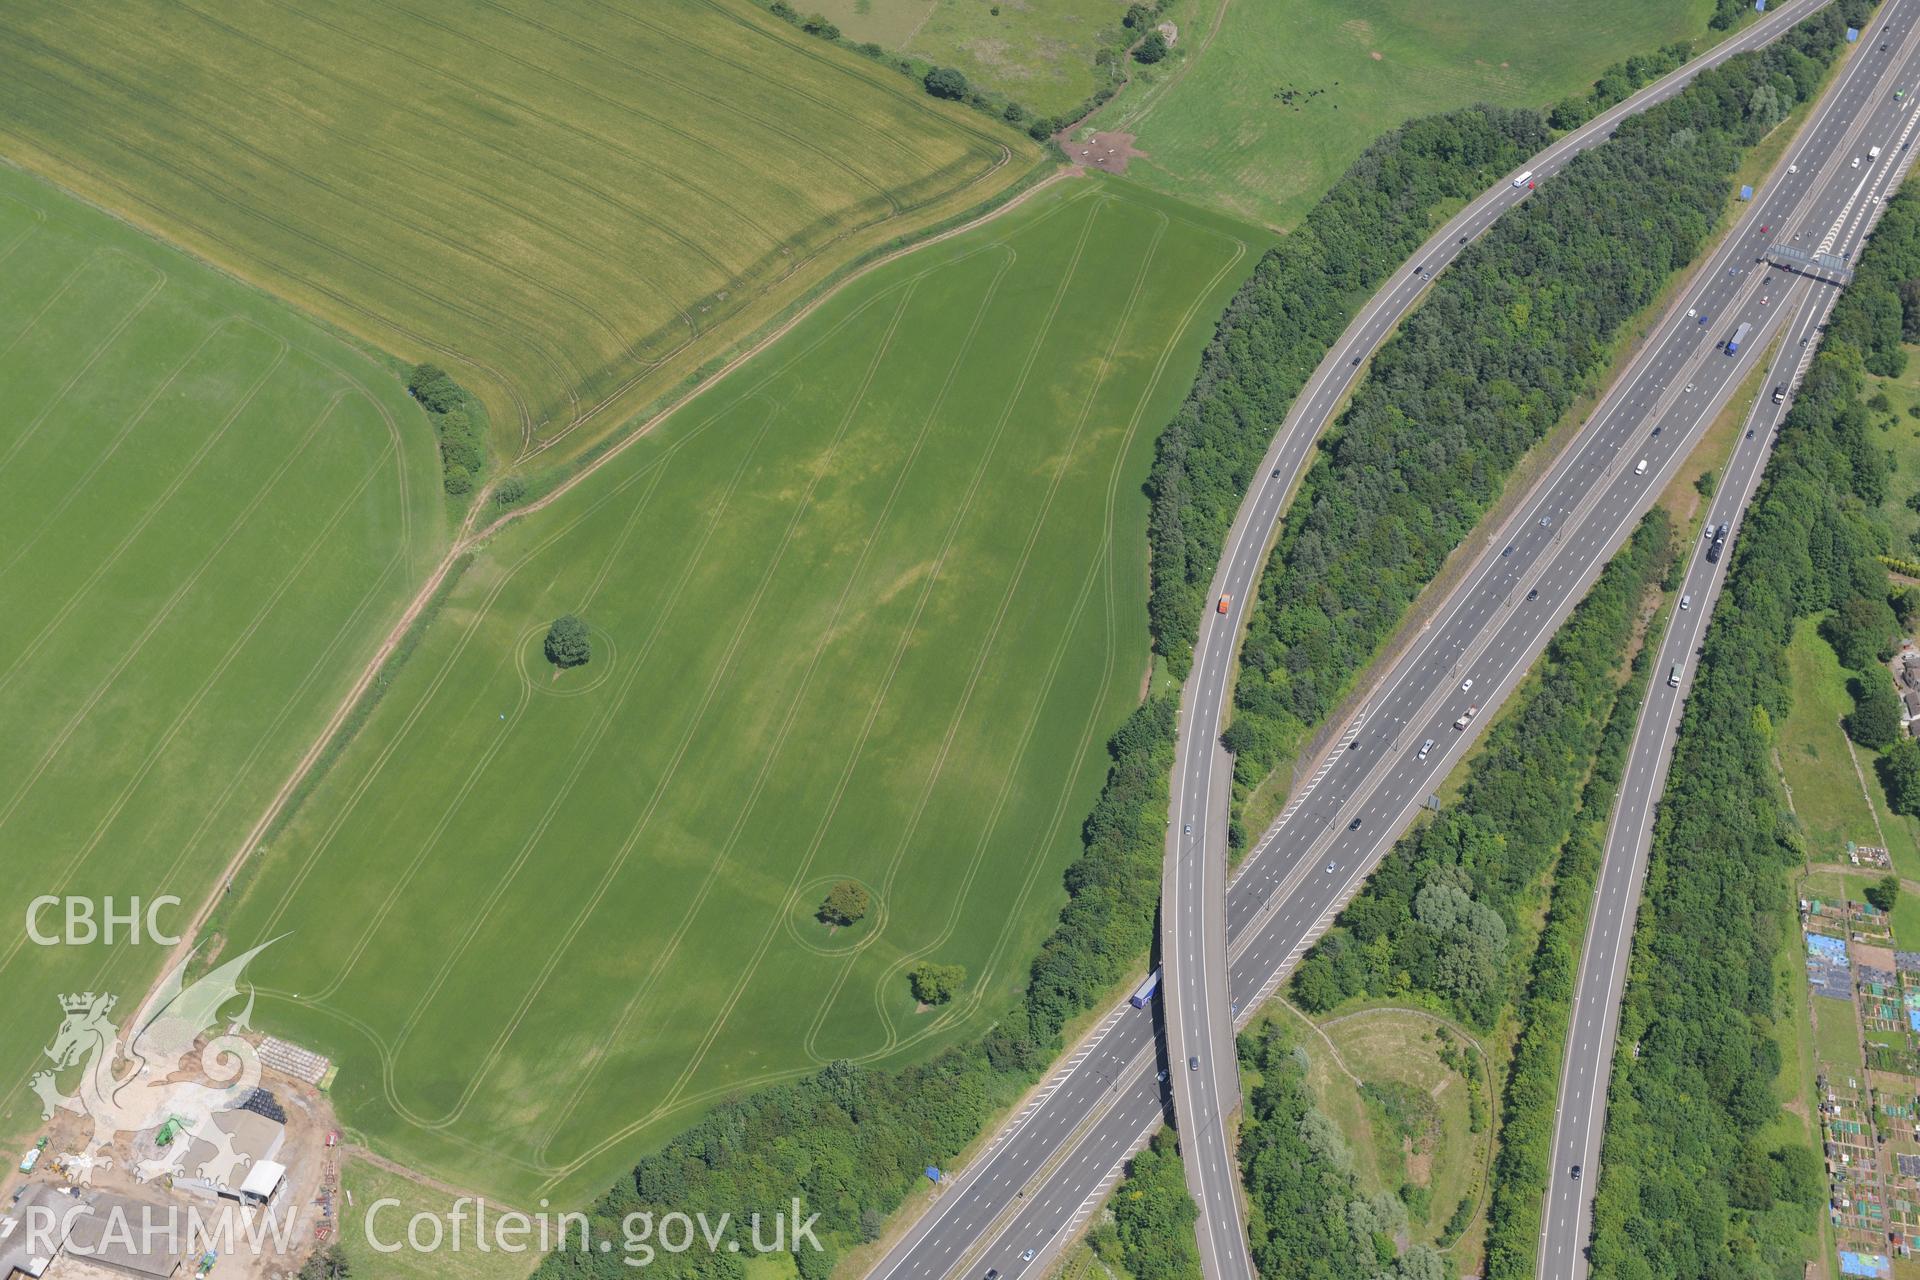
{"x": 124, "y": 1085}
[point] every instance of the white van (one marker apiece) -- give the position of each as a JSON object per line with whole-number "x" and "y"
{"x": 1873, "y": 153}
{"x": 1641, "y": 469}
{"x": 1523, "y": 179}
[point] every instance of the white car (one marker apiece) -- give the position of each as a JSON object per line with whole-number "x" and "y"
{"x": 1686, "y": 602}
{"x": 1466, "y": 684}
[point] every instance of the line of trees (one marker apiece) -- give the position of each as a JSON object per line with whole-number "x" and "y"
{"x": 1512, "y": 335}
{"x": 1306, "y": 1213}
{"x": 1695, "y": 1180}
{"x": 459, "y": 424}
{"x": 1524, "y": 1158}
{"x": 951, "y": 84}
{"x": 1291, "y": 310}
{"x": 1618, "y": 83}
{"x": 1438, "y": 919}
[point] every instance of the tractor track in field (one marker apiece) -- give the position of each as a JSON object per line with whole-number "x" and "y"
{"x": 472, "y": 534}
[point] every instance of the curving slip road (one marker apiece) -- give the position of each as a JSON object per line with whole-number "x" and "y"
{"x": 1044, "y": 1172}
{"x": 1863, "y": 114}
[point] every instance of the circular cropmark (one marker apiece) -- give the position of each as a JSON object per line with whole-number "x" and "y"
{"x": 806, "y": 928}
{"x": 542, "y": 676}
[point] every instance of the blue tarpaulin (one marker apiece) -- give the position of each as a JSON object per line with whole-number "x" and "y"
{"x": 1865, "y": 1264}
{"x": 1853, "y": 34}
{"x": 933, "y": 1174}
{"x": 1746, "y": 193}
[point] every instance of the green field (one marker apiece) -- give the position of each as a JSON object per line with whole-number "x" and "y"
{"x": 210, "y": 511}
{"x": 869, "y": 612}
{"x": 1826, "y": 789}
{"x": 570, "y": 205}
{"x": 1040, "y": 52}
{"x": 375, "y": 1190}
{"x": 1215, "y": 129}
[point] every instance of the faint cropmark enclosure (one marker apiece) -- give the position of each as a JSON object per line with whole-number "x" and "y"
{"x": 133, "y": 1077}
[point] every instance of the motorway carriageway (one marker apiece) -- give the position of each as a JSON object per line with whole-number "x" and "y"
{"x": 1048, "y": 1167}
{"x": 1580, "y": 1121}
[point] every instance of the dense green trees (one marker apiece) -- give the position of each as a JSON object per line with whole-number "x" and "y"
{"x": 845, "y": 903}
{"x": 1618, "y": 83}
{"x": 1113, "y": 890}
{"x": 1884, "y": 892}
{"x": 1152, "y": 49}
{"x": 1522, "y": 1160}
{"x": 1900, "y": 773}
{"x": 1283, "y": 320}
{"x": 567, "y": 643}
{"x": 1306, "y": 1214}
{"x": 1153, "y": 1216}
{"x": 1434, "y": 918}
{"x": 1679, "y": 1194}
{"x": 1510, "y": 336}
{"x": 1874, "y": 722}
{"x": 945, "y": 82}
{"x": 454, "y": 415}
{"x": 935, "y": 983}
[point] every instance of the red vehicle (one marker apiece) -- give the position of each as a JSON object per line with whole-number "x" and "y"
{"x": 1226, "y": 602}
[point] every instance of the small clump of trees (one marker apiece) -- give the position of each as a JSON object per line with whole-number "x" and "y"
{"x": 945, "y": 82}
{"x": 568, "y": 644}
{"x": 1874, "y": 722}
{"x": 935, "y": 983}
{"x": 452, "y": 410}
{"x": 846, "y": 902}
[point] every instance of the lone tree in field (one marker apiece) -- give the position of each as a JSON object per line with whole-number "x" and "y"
{"x": 1884, "y": 892}
{"x": 1152, "y": 49}
{"x": 846, "y": 902}
{"x": 935, "y": 983}
{"x": 567, "y": 643}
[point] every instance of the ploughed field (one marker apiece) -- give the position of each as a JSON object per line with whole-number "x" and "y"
{"x": 867, "y": 611}
{"x": 570, "y": 204}
{"x": 210, "y": 512}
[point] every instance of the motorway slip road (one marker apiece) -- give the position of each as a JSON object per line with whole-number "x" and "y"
{"x": 1877, "y": 120}
{"x": 1046, "y": 1169}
